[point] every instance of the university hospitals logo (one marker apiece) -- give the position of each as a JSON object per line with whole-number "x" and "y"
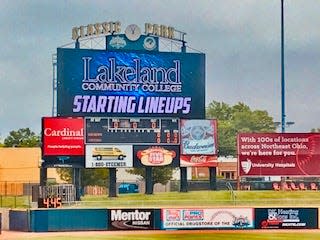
{"x": 246, "y": 166}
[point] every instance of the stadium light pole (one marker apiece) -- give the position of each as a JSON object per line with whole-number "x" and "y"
{"x": 283, "y": 114}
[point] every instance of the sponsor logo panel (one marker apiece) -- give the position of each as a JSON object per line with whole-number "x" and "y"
{"x": 131, "y": 219}
{"x": 286, "y": 218}
{"x": 197, "y": 218}
{"x": 108, "y": 156}
{"x": 198, "y": 161}
{"x": 279, "y": 154}
{"x": 149, "y": 155}
{"x": 62, "y": 136}
{"x": 198, "y": 137}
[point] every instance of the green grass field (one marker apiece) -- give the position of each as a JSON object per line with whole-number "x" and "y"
{"x": 206, "y": 199}
{"x": 192, "y": 198}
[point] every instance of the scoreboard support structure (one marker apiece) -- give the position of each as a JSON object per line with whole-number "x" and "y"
{"x": 183, "y": 179}
{"x": 149, "y": 180}
{"x": 213, "y": 178}
{"x": 112, "y": 182}
{"x": 43, "y": 176}
{"x": 76, "y": 181}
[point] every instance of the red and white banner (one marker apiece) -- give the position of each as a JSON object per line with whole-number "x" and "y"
{"x": 215, "y": 218}
{"x": 198, "y": 161}
{"x": 279, "y": 154}
{"x": 62, "y": 136}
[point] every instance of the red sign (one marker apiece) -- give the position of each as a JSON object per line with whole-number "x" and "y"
{"x": 62, "y": 136}
{"x": 198, "y": 161}
{"x": 279, "y": 154}
{"x": 156, "y": 156}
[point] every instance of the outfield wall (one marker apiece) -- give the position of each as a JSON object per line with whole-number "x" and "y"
{"x": 51, "y": 220}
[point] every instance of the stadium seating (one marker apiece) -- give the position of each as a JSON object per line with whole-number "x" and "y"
{"x": 293, "y": 186}
{"x": 276, "y": 186}
{"x": 286, "y": 187}
{"x": 313, "y": 186}
{"x": 302, "y": 186}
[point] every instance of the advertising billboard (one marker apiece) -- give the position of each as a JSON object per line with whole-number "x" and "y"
{"x": 108, "y": 156}
{"x": 286, "y": 218}
{"x": 132, "y": 130}
{"x": 198, "y": 161}
{"x": 62, "y": 142}
{"x": 200, "y": 218}
{"x": 144, "y": 84}
{"x": 198, "y": 136}
{"x": 198, "y": 143}
{"x": 156, "y": 156}
{"x": 62, "y": 136}
{"x": 131, "y": 219}
{"x": 279, "y": 154}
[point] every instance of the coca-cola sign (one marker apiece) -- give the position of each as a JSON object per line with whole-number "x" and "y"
{"x": 279, "y": 154}
{"x": 198, "y": 161}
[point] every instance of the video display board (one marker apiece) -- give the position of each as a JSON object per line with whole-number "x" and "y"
{"x": 141, "y": 84}
{"x": 279, "y": 154}
{"x": 132, "y": 130}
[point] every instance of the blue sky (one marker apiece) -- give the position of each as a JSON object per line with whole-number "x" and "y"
{"x": 241, "y": 40}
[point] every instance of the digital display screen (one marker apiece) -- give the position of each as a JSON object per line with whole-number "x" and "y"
{"x": 130, "y": 84}
{"x": 133, "y": 130}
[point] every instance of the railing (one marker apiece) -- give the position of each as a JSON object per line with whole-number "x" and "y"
{"x": 232, "y": 193}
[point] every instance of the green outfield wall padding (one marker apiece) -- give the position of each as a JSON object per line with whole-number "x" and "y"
{"x": 68, "y": 220}
{"x": 18, "y": 220}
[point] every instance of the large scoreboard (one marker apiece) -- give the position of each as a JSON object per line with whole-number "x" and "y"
{"x": 99, "y": 83}
{"x": 153, "y": 131}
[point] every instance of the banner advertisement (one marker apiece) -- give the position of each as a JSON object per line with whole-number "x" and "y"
{"x": 198, "y": 137}
{"x": 127, "y": 84}
{"x": 198, "y": 161}
{"x": 108, "y": 156}
{"x": 156, "y": 156}
{"x": 130, "y": 219}
{"x": 279, "y": 154}
{"x": 286, "y": 218}
{"x": 132, "y": 130}
{"x": 199, "y": 218}
{"x": 62, "y": 136}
